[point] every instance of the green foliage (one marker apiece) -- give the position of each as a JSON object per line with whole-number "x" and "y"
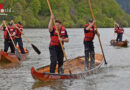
{"x": 35, "y": 6}
{"x": 19, "y": 19}
{"x": 18, "y": 9}
{"x": 73, "y": 13}
{"x": 34, "y": 22}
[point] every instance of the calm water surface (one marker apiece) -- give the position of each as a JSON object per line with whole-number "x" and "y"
{"x": 114, "y": 76}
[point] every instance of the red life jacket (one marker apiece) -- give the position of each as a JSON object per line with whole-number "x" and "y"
{"x": 18, "y": 33}
{"x": 54, "y": 38}
{"x": 11, "y": 31}
{"x": 89, "y": 36}
{"x": 119, "y": 30}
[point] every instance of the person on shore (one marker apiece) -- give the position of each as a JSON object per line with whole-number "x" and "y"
{"x": 119, "y": 32}
{"x": 89, "y": 34}
{"x": 7, "y": 39}
{"x": 56, "y": 53}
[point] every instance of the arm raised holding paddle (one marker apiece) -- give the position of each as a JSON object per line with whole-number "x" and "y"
{"x": 2, "y": 27}
{"x": 97, "y": 31}
{"x": 91, "y": 25}
{"x": 50, "y": 25}
{"x": 56, "y": 49}
{"x": 58, "y": 26}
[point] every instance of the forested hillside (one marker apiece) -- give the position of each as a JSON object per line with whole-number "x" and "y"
{"x": 73, "y": 13}
{"x": 125, "y": 4}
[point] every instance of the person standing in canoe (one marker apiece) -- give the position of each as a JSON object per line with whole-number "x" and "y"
{"x": 18, "y": 38}
{"x": 119, "y": 32}
{"x": 89, "y": 34}
{"x": 56, "y": 53}
{"x": 7, "y": 40}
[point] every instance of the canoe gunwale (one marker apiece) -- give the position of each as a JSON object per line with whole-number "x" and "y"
{"x": 89, "y": 70}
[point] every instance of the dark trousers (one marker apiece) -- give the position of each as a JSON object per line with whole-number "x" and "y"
{"x": 8, "y": 43}
{"x": 119, "y": 37}
{"x": 20, "y": 43}
{"x": 56, "y": 55}
{"x": 89, "y": 52}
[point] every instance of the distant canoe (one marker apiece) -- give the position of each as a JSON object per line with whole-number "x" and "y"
{"x": 76, "y": 67}
{"x": 10, "y": 60}
{"x": 122, "y": 44}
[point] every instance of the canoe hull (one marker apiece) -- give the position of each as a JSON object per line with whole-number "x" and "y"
{"x": 39, "y": 74}
{"x": 10, "y": 60}
{"x": 121, "y": 44}
{"x": 50, "y": 76}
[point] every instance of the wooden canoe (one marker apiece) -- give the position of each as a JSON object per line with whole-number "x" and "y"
{"x": 121, "y": 44}
{"x": 10, "y": 60}
{"x": 76, "y": 66}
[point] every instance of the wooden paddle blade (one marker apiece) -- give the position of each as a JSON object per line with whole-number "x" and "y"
{"x": 71, "y": 74}
{"x": 18, "y": 54}
{"x": 36, "y": 49}
{"x": 105, "y": 61}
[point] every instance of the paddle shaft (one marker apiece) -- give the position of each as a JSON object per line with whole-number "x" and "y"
{"x": 97, "y": 32}
{"x": 24, "y": 36}
{"x": 57, "y": 31}
{"x": 114, "y": 31}
{"x": 33, "y": 46}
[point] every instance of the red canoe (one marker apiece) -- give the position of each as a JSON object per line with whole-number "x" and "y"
{"x": 10, "y": 60}
{"x": 122, "y": 44}
{"x": 76, "y": 66}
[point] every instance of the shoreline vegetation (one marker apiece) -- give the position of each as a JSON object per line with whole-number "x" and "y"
{"x": 73, "y": 13}
{"x": 71, "y": 28}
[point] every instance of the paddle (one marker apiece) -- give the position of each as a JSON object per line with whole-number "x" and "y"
{"x": 33, "y": 46}
{"x": 16, "y": 50}
{"x": 97, "y": 32}
{"x": 58, "y": 35}
{"x": 114, "y": 31}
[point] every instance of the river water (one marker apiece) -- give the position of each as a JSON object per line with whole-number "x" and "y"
{"x": 114, "y": 76}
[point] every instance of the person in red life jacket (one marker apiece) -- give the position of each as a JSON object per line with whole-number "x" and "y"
{"x": 89, "y": 34}
{"x": 56, "y": 53}
{"x": 119, "y": 32}
{"x": 18, "y": 38}
{"x": 7, "y": 40}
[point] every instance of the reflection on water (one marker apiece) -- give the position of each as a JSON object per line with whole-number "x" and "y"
{"x": 55, "y": 85}
{"x": 89, "y": 84}
{"x": 114, "y": 76}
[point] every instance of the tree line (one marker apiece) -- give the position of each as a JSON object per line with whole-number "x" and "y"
{"x": 73, "y": 13}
